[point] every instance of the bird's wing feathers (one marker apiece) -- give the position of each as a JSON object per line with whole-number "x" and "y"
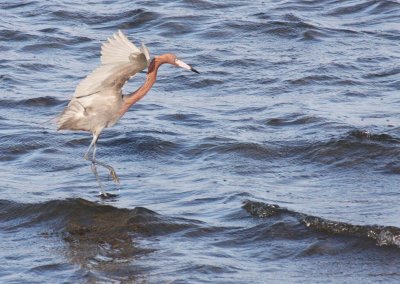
{"x": 120, "y": 60}
{"x": 146, "y": 52}
{"x": 118, "y": 49}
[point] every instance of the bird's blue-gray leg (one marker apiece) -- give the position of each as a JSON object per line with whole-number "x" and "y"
{"x": 94, "y": 140}
{"x": 94, "y": 170}
{"x": 108, "y": 167}
{"x": 111, "y": 169}
{"x": 93, "y": 159}
{"x": 93, "y": 165}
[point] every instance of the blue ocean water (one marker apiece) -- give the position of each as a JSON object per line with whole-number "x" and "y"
{"x": 296, "y": 105}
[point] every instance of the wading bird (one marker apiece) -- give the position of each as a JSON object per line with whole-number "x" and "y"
{"x": 98, "y": 101}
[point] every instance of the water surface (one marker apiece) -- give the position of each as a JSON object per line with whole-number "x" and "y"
{"x": 296, "y": 105}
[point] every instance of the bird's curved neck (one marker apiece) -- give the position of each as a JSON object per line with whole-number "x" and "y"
{"x": 144, "y": 89}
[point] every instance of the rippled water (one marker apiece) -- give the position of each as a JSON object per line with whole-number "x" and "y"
{"x": 296, "y": 105}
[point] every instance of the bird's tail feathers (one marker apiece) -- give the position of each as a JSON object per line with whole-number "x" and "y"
{"x": 70, "y": 118}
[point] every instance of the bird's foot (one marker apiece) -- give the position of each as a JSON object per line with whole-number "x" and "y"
{"x": 105, "y": 195}
{"x": 114, "y": 176}
{"x": 93, "y": 168}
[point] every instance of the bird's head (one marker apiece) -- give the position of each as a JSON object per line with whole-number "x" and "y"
{"x": 172, "y": 59}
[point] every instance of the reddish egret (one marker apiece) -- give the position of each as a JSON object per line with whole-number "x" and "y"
{"x": 98, "y": 101}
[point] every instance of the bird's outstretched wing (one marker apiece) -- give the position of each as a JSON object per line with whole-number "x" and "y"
{"x": 95, "y": 99}
{"x": 120, "y": 60}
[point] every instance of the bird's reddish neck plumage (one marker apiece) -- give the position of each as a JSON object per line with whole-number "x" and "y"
{"x": 150, "y": 80}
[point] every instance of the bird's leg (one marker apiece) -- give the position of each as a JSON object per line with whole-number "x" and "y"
{"x": 94, "y": 170}
{"x": 111, "y": 169}
{"x": 94, "y": 161}
{"x": 93, "y": 165}
{"x": 86, "y": 156}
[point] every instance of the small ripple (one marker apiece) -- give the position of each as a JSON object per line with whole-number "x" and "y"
{"x": 357, "y": 148}
{"x": 368, "y": 7}
{"x": 135, "y": 18}
{"x": 310, "y": 35}
{"x": 51, "y": 30}
{"x": 14, "y": 35}
{"x": 293, "y": 120}
{"x": 34, "y": 102}
{"x": 168, "y": 27}
{"x": 50, "y": 267}
{"x": 239, "y": 63}
{"x": 43, "y": 46}
{"x": 187, "y": 119}
{"x": 293, "y": 27}
{"x": 385, "y": 73}
{"x": 94, "y": 18}
{"x": 288, "y": 29}
{"x": 140, "y": 20}
{"x": 206, "y": 83}
{"x": 234, "y": 148}
{"x": 38, "y": 67}
{"x": 9, "y": 80}
{"x": 215, "y": 33}
{"x": 207, "y": 5}
{"x": 365, "y": 135}
{"x": 146, "y": 146}
{"x": 246, "y": 110}
{"x": 322, "y": 79}
{"x": 9, "y": 6}
{"x": 17, "y": 146}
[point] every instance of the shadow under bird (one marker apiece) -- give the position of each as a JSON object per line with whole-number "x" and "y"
{"x": 98, "y": 101}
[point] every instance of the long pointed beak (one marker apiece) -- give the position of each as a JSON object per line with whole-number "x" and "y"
{"x": 182, "y": 64}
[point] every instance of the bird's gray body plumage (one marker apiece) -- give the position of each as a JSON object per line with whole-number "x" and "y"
{"x": 97, "y": 99}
